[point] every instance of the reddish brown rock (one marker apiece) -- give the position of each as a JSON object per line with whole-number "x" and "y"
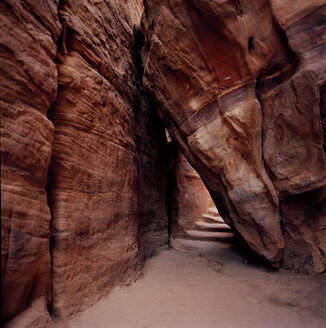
{"x": 190, "y": 198}
{"x": 235, "y": 97}
{"x": 245, "y": 104}
{"x": 183, "y": 60}
{"x": 28, "y": 85}
{"x": 293, "y": 109}
{"x": 152, "y": 184}
{"x": 105, "y": 171}
{"x": 107, "y": 183}
{"x": 92, "y": 188}
{"x": 294, "y": 158}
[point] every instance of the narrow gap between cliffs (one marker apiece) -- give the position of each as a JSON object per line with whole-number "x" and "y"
{"x": 61, "y": 48}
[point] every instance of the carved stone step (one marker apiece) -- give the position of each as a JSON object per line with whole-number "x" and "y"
{"x": 210, "y": 236}
{"x": 212, "y": 218}
{"x": 213, "y": 211}
{"x": 205, "y": 226}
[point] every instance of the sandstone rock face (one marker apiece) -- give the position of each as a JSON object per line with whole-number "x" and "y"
{"x": 106, "y": 184}
{"x": 104, "y": 170}
{"x": 28, "y": 85}
{"x": 239, "y": 86}
{"x": 190, "y": 198}
{"x": 92, "y": 188}
{"x": 152, "y": 162}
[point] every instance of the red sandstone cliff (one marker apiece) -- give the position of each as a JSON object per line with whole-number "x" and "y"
{"x": 70, "y": 94}
{"x": 28, "y": 85}
{"x": 239, "y": 84}
{"x": 189, "y": 198}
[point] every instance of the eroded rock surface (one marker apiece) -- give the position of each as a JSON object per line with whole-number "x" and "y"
{"x": 28, "y": 85}
{"x": 98, "y": 184}
{"x": 108, "y": 157}
{"x": 238, "y": 85}
{"x": 190, "y": 198}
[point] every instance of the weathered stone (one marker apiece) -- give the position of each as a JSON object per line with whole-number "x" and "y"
{"x": 225, "y": 88}
{"x": 190, "y": 198}
{"x": 240, "y": 86}
{"x": 293, "y": 139}
{"x": 28, "y": 85}
{"x": 108, "y": 162}
{"x": 92, "y": 188}
{"x": 294, "y": 158}
{"x": 105, "y": 170}
{"x": 152, "y": 164}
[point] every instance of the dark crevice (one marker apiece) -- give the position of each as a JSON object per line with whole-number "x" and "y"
{"x": 150, "y": 137}
{"x": 322, "y": 106}
{"x": 65, "y": 38}
{"x": 250, "y": 43}
{"x": 61, "y": 49}
{"x": 238, "y": 8}
{"x": 66, "y": 35}
{"x": 139, "y": 40}
{"x": 172, "y": 152}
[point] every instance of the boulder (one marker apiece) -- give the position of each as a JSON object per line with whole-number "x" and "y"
{"x": 238, "y": 86}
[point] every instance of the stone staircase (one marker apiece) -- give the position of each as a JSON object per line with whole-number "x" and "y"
{"x": 211, "y": 228}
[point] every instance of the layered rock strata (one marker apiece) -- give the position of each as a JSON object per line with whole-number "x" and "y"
{"x": 235, "y": 97}
{"x": 92, "y": 181}
{"x": 71, "y": 233}
{"x": 246, "y": 106}
{"x": 28, "y": 85}
{"x": 105, "y": 169}
{"x": 190, "y": 199}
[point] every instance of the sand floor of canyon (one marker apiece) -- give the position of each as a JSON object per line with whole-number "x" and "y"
{"x": 201, "y": 285}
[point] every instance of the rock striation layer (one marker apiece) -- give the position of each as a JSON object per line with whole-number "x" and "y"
{"x": 92, "y": 180}
{"x": 94, "y": 193}
{"x": 238, "y": 85}
{"x": 189, "y": 198}
{"x": 71, "y": 233}
{"x": 28, "y": 85}
{"x": 86, "y": 170}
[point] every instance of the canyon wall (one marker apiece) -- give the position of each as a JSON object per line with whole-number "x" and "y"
{"x": 189, "y": 198}
{"x": 28, "y": 85}
{"x": 83, "y": 157}
{"x": 240, "y": 86}
{"x": 86, "y": 170}
{"x": 93, "y": 174}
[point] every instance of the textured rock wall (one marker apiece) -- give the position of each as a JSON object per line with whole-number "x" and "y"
{"x": 239, "y": 85}
{"x": 106, "y": 184}
{"x": 28, "y": 84}
{"x": 92, "y": 185}
{"x": 152, "y": 162}
{"x": 106, "y": 169}
{"x": 190, "y": 198}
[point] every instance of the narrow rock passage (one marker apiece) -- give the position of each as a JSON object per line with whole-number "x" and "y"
{"x": 212, "y": 228}
{"x": 209, "y": 285}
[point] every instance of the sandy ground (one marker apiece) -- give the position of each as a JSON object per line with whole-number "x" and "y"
{"x": 205, "y": 286}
